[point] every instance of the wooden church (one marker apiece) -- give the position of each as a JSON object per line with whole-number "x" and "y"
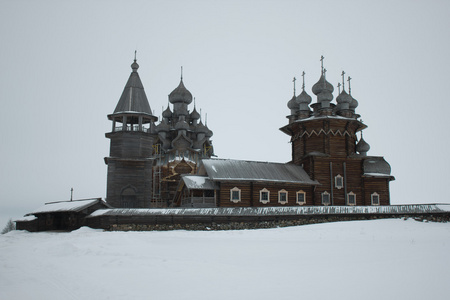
{"x": 170, "y": 164}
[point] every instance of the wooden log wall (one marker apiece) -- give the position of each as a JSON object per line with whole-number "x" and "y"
{"x": 250, "y": 194}
{"x": 136, "y": 174}
{"x": 325, "y": 171}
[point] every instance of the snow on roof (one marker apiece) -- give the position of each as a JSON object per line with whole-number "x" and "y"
{"x": 229, "y": 169}
{"x": 64, "y": 206}
{"x": 282, "y": 211}
{"x": 26, "y": 219}
{"x": 198, "y": 182}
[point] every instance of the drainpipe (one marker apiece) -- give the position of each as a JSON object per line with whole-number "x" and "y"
{"x": 331, "y": 182}
{"x": 345, "y": 184}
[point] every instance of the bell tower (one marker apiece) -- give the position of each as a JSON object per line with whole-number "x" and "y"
{"x": 129, "y": 182}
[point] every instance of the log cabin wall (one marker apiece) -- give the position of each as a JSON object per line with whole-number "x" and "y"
{"x": 379, "y": 186}
{"x": 250, "y": 194}
{"x": 128, "y": 177}
{"x": 325, "y": 171}
{"x": 131, "y": 144}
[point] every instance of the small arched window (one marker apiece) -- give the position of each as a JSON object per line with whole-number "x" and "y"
{"x": 375, "y": 198}
{"x": 326, "y": 198}
{"x": 264, "y": 196}
{"x": 351, "y": 198}
{"x": 235, "y": 195}
{"x": 283, "y": 196}
{"x": 301, "y": 197}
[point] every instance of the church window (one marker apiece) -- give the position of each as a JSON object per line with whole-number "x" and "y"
{"x": 235, "y": 195}
{"x": 326, "y": 198}
{"x": 375, "y": 198}
{"x": 264, "y": 196}
{"x": 339, "y": 182}
{"x": 351, "y": 198}
{"x": 283, "y": 196}
{"x": 301, "y": 197}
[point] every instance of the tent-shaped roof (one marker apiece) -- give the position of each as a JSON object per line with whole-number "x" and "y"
{"x": 232, "y": 170}
{"x": 133, "y": 97}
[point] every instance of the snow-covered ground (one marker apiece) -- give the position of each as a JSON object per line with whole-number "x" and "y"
{"x": 383, "y": 259}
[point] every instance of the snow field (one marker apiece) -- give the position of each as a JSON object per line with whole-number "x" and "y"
{"x": 382, "y": 259}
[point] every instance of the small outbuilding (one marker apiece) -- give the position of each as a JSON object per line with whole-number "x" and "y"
{"x": 62, "y": 215}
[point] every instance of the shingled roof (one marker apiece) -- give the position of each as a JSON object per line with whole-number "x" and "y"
{"x": 133, "y": 97}
{"x": 232, "y": 170}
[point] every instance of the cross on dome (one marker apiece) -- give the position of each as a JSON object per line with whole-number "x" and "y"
{"x": 349, "y": 87}
{"x": 294, "y": 84}
{"x": 321, "y": 62}
{"x": 303, "y": 85}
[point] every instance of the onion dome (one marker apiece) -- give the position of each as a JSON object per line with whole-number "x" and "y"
{"x": 353, "y": 103}
{"x": 293, "y": 105}
{"x": 194, "y": 115}
{"x": 201, "y": 128}
{"x": 182, "y": 124}
{"x": 362, "y": 147}
{"x": 344, "y": 98}
{"x": 162, "y": 127}
{"x": 167, "y": 113}
{"x": 180, "y": 94}
{"x": 134, "y": 66}
{"x": 208, "y": 133}
{"x": 322, "y": 85}
{"x": 304, "y": 98}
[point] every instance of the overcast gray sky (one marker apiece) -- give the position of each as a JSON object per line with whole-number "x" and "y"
{"x": 63, "y": 66}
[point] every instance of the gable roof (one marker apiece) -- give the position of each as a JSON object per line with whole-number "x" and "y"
{"x": 67, "y": 206}
{"x": 233, "y": 170}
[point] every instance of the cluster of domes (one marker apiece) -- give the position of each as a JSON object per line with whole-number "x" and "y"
{"x": 300, "y": 105}
{"x": 181, "y": 129}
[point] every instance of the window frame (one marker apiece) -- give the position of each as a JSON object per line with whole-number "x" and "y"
{"x": 338, "y": 176}
{"x": 304, "y": 197}
{"x": 375, "y": 194}
{"x": 348, "y": 198}
{"x": 325, "y": 193}
{"x": 235, "y": 189}
{"x": 264, "y": 190}
{"x": 283, "y": 191}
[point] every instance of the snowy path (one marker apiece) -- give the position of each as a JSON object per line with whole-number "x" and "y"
{"x": 384, "y": 259}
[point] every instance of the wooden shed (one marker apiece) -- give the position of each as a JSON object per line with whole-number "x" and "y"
{"x": 62, "y": 215}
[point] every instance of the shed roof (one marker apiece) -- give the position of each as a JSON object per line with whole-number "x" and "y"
{"x": 232, "y": 170}
{"x": 195, "y": 182}
{"x": 67, "y": 206}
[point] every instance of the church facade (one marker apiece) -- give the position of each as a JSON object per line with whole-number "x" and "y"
{"x": 170, "y": 164}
